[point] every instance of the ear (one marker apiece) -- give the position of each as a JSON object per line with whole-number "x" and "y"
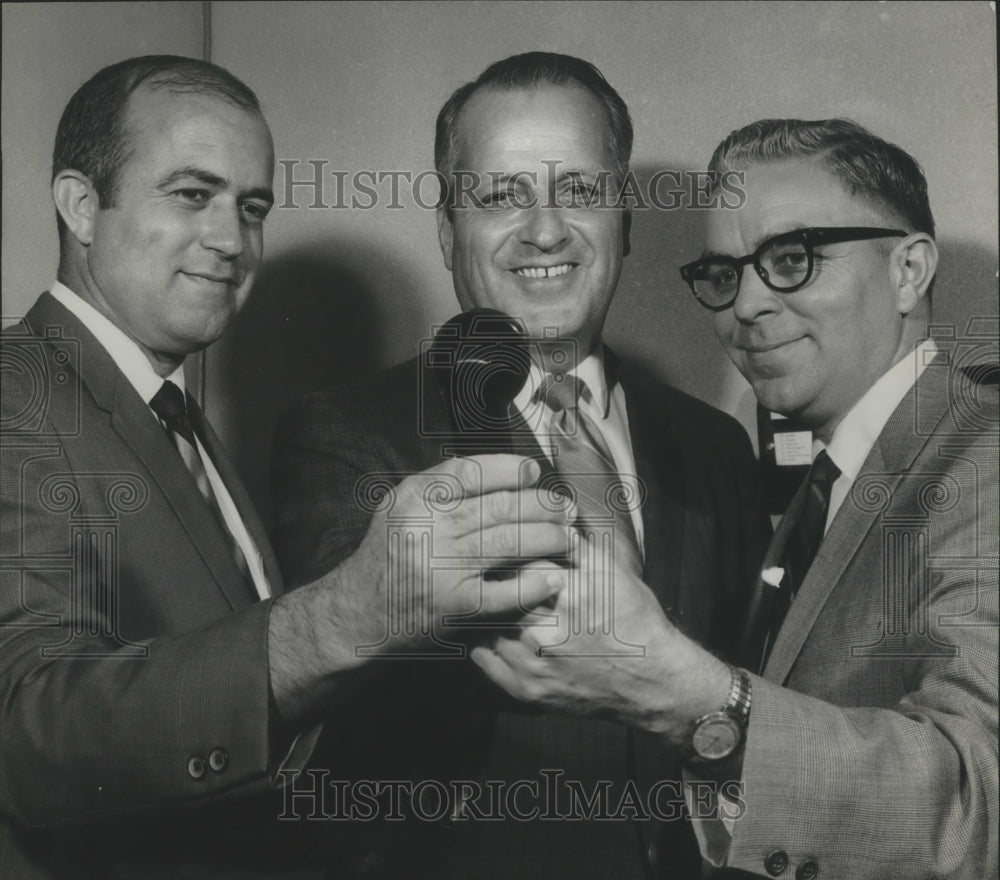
{"x": 77, "y": 202}
{"x": 627, "y": 233}
{"x": 912, "y": 266}
{"x": 446, "y": 235}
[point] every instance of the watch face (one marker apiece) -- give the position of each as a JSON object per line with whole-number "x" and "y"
{"x": 716, "y": 737}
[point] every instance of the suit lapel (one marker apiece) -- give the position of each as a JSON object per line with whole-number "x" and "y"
{"x": 893, "y": 454}
{"x": 237, "y": 491}
{"x": 131, "y": 419}
{"x": 659, "y": 466}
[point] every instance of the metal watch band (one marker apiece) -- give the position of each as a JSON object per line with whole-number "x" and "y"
{"x": 738, "y": 703}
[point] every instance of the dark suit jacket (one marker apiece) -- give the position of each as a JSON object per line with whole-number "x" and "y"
{"x": 134, "y": 690}
{"x": 704, "y": 536}
{"x": 872, "y": 746}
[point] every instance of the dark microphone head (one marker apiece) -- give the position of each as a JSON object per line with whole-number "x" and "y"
{"x": 480, "y": 360}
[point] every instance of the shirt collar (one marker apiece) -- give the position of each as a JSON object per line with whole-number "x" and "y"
{"x": 126, "y": 354}
{"x": 591, "y": 371}
{"x": 855, "y": 436}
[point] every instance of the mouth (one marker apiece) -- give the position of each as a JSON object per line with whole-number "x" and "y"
{"x": 537, "y": 272}
{"x": 766, "y": 347}
{"x": 212, "y": 277}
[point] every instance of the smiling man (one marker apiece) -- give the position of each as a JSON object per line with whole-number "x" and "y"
{"x": 861, "y": 742}
{"x": 157, "y": 686}
{"x": 532, "y": 155}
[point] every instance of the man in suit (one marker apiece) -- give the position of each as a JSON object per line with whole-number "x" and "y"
{"x": 867, "y": 745}
{"x": 534, "y": 154}
{"x": 157, "y": 688}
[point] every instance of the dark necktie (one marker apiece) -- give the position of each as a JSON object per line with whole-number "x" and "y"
{"x": 803, "y": 541}
{"x": 585, "y": 466}
{"x": 169, "y": 405}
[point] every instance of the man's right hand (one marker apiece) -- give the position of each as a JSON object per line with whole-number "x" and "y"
{"x": 424, "y": 558}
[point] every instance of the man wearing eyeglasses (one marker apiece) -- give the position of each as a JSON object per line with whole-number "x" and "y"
{"x": 863, "y": 733}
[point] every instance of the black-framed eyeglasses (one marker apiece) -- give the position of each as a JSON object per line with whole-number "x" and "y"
{"x": 783, "y": 262}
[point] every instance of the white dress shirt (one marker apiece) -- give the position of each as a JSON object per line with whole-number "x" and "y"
{"x": 606, "y": 407}
{"x": 855, "y": 436}
{"x": 135, "y": 366}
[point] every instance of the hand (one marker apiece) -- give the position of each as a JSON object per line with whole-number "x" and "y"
{"x": 422, "y": 561}
{"x": 608, "y": 650}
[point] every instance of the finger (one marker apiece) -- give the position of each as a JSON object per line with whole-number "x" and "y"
{"x": 526, "y": 506}
{"x": 532, "y": 586}
{"x": 513, "y": 545}
{"x": 497, "y": 670}
{"x": 482, "y": 474}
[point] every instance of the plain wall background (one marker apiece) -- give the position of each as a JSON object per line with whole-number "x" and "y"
{"x": 358, "y": 85}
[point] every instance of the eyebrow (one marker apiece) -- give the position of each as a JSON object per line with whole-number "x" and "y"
{"x": 766, "y": 236}
{"x": 265, "y": 193}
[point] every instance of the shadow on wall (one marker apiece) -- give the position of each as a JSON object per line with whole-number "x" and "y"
{"x": 313, "y": 321}
{"x": 655, "y": 321}
{"x": 966, "y": 286}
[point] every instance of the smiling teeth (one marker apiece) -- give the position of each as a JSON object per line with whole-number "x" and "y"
{"x": 542, "y": 272}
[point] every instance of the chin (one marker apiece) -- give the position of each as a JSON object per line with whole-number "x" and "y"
{"x": 777, "y": 395}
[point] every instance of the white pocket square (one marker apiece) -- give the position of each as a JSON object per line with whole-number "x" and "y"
{"x": 772, "y": 576}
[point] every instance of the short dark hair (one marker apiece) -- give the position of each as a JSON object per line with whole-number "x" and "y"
{"x": 530, "y": 71}
{"x": 884, "y": 175}
{"x": 92, "y": 137}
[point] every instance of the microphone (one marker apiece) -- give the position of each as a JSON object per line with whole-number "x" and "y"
{"x": 479, "y": 361}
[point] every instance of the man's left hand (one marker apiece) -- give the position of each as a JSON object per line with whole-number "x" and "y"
{"x": 606, "y": 649}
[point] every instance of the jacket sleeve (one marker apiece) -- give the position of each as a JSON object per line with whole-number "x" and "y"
{"x": 95, "y": 719}
{"x": 900, "y": 779}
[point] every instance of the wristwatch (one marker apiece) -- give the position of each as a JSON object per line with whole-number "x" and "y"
{"x": 718, "y": 735}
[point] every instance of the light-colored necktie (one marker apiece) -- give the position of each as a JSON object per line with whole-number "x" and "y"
{"x": 169, "y": 405}
{"x": 587, "y": 470}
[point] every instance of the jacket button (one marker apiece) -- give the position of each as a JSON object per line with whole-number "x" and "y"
{"x": 808, "y": 870}
{"x": 776, "y": 863}
{"x": 196, "y": 767}
{"x": 218, "y": 760}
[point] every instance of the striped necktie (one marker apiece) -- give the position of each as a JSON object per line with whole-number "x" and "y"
{"x": 169, "y": 405}
{"x": 803, "y": 542}
{"x": 586, "y": 471}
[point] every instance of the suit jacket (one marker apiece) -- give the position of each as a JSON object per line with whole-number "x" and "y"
{"x": 705, "y": 533}
{"x": 872, "y": 745}
{"x": 134, "y": 688}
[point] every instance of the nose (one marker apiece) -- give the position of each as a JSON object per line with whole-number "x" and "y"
{"x": 754, "y": 299}
{"x": 223, "y": 230}
{"x": 544, "y": 226}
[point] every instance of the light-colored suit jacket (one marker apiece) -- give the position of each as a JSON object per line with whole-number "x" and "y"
{"x": 872, "y": 746}
{"x": 134, "y": 689}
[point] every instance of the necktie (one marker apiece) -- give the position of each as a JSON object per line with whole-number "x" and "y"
{"x": 584, "y": 466}
{"x": 803, "y": 540}
{"x": 169, "y": 405}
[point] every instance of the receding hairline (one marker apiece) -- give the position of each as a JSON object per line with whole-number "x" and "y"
{"x": 500, "y": 88}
